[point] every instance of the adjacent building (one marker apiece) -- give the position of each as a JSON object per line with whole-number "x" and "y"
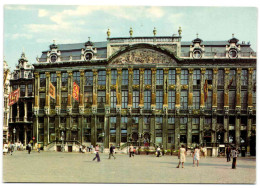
{"x": 155, "y": 90}
{"x": 21, "y": 113}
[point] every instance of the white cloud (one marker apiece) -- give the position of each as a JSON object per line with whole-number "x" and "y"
{"x": 42, "y": 13}
{"x": 156, "y": 12}
{"x": 19, "y": 35}
{"x": 17, "y": 7}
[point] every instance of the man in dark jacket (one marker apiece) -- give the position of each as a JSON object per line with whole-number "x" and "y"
{"x": 228, "y": 152}
{"x": 111, "y": 151}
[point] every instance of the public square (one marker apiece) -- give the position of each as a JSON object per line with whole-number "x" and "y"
{"x": 78, "y": 167}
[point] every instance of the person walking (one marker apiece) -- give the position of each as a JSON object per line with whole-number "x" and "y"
{"x": 131, "y": 150}
{"x": 39, "y": 148}
{"x": 29, "y": 148}
{"x": 182, "y": 156}
{"x": 97, "y": 154}
{"x": 228, "y": 151}
{"x": 234, "y": 156}
{"x": 196, "y": 156}
{"x": 158, "y": 150}
{"x": 111, "y": 151}
{"x": 11, "y": 148}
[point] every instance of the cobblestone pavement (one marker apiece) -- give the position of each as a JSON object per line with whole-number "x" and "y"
{"x": 77, "y": 167}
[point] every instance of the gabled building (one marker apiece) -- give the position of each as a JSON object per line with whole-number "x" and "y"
{"x": 155, "y": 90}
{"x": 21, "y": 113}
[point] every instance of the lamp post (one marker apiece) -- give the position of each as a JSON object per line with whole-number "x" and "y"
{"x": 62, "y": 139}
{"x": 178, "y": 140}
{"x": 14, "y": 131}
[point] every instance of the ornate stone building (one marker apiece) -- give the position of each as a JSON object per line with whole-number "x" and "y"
{"x": 157, "y": 90}
{"x": 21, "y": 113}
{"x": 7, "y": 75}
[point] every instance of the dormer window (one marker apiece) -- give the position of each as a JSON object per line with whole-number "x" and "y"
{"x": 88, "y": 56}
{"x": 197, "y": 54}
{"x": 53, "y": 58}
{"x": 232, "y": 53}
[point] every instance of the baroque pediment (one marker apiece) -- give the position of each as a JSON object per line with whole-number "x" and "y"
{"x": 143, "y": 56}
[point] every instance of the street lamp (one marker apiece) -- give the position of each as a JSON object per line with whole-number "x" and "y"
{"x": 62, "y": 139}
{"x": 14, "y": 131}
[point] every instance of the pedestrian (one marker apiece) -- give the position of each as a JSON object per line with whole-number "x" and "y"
{"x": 234, "y": 156}
{"x": 90, "y": 148}
{"x": 228, "y": 151}
{"x": 163, "y": 152}
{"x": 131, "y": 151}
{"x": 158, "y": 150}
{"x": 29, "y": 147}
{"x": 196, "y": 156}
{"x": 11, "y": 148}
{"x": 111, "y": 151}
{"x": 182, "y": 156}
{"x": 80, "y": 148}
{"x": 97, "y": 154}
{"x": 39, "y": 148}
{"x": 5, "y": 148}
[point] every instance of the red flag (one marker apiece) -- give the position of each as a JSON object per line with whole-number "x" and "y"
{"x": 14, "y": 97}
{"x": 75, "y": 91}
{"x": 205, "y": 90}
{"x": 52, "y": 91}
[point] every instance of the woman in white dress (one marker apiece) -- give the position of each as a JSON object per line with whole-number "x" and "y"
{"x": 196, "y": 156}
{"x": 182, "y": 156}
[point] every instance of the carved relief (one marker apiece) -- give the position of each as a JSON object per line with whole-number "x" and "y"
{"x": 142, "y": 56}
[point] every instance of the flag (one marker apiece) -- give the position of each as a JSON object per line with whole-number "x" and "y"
{"x": 14, "y": 97}
{"x": 75, "y": 92}
{"x": 52, "y": 91}
{"x": 205, "y": 90}
{"x": 230, "y": 82}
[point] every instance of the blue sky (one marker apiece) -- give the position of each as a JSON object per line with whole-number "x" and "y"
{"x": 33, "y": 28}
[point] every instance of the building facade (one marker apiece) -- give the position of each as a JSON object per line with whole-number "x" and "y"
{"x": 7, "y": 76}
{"x": 21, "y": 113}
{"x": 155, "y": 90}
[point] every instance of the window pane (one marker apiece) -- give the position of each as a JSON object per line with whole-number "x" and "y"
{"x": 147, "y": 77}
{"x": 125, "y": 77}
{"x": 136, "y": 77}
{"x": 135, "y": 99}
{"x": 244, "y": 78}
{"x": 113, "y": 77}
{"x": 113, "y": 99}
{"x": 220, "y": 77}
{"x": 196, "y": 77}
{"x": 171, "y": 77}
{"x": 159, "y": 77}
{"x": 171, "y": 100}
{"x": 159, "y": 99}
{"x": 184, "y": 100}
{"x": 124, "y": 99}
{"x": 101, "y": 77}
{"x": 147, "y": 100}
{"x": 88, "y": 78}
{"x": 184, "y": 77}
{"x": 220, "y": 100}
{"x": 196, "y": 100}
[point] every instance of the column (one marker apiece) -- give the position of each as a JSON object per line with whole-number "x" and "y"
{"x": 58, "y": 89}
{"x": 238, "y": 106}
{"x": 142, "y": 85}
{"x": 106, "y": 131}
{"x": 178, "y": 89}
{"x": 25, "y": 136}
{"x": 250, "y": 88}
{"x": 25, "y": 111}
{"x": 153, "y": 95}
{"x": 94, "y": 107}
{"x": 214, "y": 104}
{"x": 226, "y": 104}
{"x": 108, "y": 82}
{"x": 118, "y": 130}
{"x": 36, "y": 91}
{"x": 118, "y": 105}
{"x": 46, "y": 131}
{"x": 201, "y": 136}
{"x": 81, "y": 90}
{"x": 47, "y": 97}
{"x": 165, "y": 106}
{"x": 70, "y": 82}
{"x": 26, "y": 90}
{"x": 177, "y": 133}
{"x": 190, "y": 104}
{"x": 248, "y": 136}
{"x": 95, "y": 83}
{"x": 130, "y": 88}
{"x": 36, "y": 128}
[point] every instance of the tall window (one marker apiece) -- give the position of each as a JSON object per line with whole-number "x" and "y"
{"x": 171, "y": 120}
{"x": 42, "y": 80}
{"x": 208, "y": 103}
{"x": 159, "y": 77}
{"x": 30, "y": 90}
{"x": 232, "y": 77}
{"x": 220, "y": 100}
{"x": 135, "y": 99}
{"x": 147, "y": 100}
{"x": 232, "y": 99}
{"x": 54, "y": 79}
{"x": 42, "y": 100}
{"x": 113, "y": 119}
{"x": 196, "y": 100}
{"x": 208, "y": 121}
{"x": 88, "y": 98}
{"x": 171, "y": 100}
{"x": 64, "y": 78}
{"x": 244, "y": 77}
{"x": 101, "y": 77}
{"x": 124, "y": 119}
{"x": 125, "y": 77}
{"x": 136, "y": 77}
{"x": 135, "y": 120}
{"x": 196, "y": 77}
{"x": 220, "y": 77}
{"x": 88, "y": 78}
{"x": 147, "y": 77}
{"x": 124, "y": 99}
{"x": 171, "y": 77}
{"x": 113, "y": 77}
{"x": 208, "y": 76}
{"x": 113, "y": 99}
{"x": 64, "y": 99}
{"x": 254, "y": 76}
{"x": 159, "y": 99}
{"x": 184, "y": 77}
{"x": 184, "y": 100}
{"x": 195, "y": 121}
{"x": 22, "y": 90}
{"x": 183, "y": 120}
{"x": 158, "y": 119}
{"x": 76, "y": 77}
{"x": 244, "y": 100}
{"x": 101, "y": 98}
{"x": 147, "y": 119}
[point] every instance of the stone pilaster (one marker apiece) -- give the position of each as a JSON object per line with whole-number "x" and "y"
{"x": 226, "y": 127}
{"x": 141, "y": 104}
{"x": 70, "y": 87}
{"x": 106, "y": 131}
{"x": 248, "y": 136}
{"x": 226, "y": 90}
{"x": 177, "y": 133}
{"x": 201, "y": 135}
{"x": 46, "y": 131}
{"x": 47, "y": 96}
{"x": 130, "y": 88}
{"x": 238, "y": 89}
{"x": 202, "y": 78}
{"x": 95, "y": 83}
{"x": 250, "y": 89}
{"x": 215, "y": 88}
{"x": 178, "y": 90}
{"x": 213, "y": 132}
{"x": 152, "y": 130}
{"x": 237, "y": 131}
{"x": 36, "y": 93}
{"x": 108, "y": 82}
{"x": 165, "y": 87}
{"x": 93, "y": 130}
{"x": 25, "y": 110}
{"x": 81, "y": 90}
{"x": 189, "y": 132}
{"x": 165, "y": 131}
{"x": 118, "y": 90}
